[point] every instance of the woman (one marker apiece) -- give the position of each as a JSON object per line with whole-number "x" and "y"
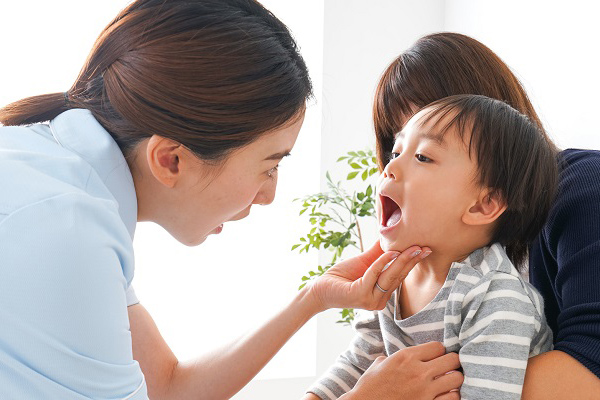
{"x": 564, "y": 258}
{"x": 179, "y": 116}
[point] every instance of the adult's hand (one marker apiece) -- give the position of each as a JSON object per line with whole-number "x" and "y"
{"x": 352, "y": 282}
{"x": 421, "y": 372}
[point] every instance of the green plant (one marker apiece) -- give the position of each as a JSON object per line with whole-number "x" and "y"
{"x": 335, "y": 216}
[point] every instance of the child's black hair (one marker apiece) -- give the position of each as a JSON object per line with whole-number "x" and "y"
{"x": 514, "y": 159}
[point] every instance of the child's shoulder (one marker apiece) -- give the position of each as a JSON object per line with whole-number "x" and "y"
{"x": 488, "y": 273}
{"x": 489, "y": 261}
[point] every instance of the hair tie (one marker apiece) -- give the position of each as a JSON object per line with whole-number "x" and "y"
{"x": 66, "y": 96}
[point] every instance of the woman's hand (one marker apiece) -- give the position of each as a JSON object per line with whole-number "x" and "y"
{"x": 421, "y": 372}
{"x": 352, "y": 282}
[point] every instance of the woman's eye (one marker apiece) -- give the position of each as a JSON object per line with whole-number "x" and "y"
{"x": 394, "y": 155}
{"x": 422, "y": 158}
{"x": 271, "y": 173}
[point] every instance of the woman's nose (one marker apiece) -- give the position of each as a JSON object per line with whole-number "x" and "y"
{"x": 266, "y": 195}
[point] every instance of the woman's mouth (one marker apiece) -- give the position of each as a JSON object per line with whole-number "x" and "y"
{"x": 391, "y": 213}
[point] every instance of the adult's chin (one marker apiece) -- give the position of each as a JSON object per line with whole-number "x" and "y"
{"x": 190, "y": 240}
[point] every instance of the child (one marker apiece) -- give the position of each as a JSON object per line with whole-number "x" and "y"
{"x": 472, "y": 179}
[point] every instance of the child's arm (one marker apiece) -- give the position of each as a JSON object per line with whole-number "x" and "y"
{"x": 341, "y": 377}
{"x": 414, "y": 373}
{"x": 501, "y": 330}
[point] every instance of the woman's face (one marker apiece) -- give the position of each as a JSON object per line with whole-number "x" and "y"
{"x": 207, "y": 196}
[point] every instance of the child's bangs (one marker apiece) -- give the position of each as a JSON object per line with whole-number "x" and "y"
{"x": 451, "y": 114}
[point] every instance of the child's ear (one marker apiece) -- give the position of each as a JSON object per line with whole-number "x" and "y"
{"x": 486, "y": 209}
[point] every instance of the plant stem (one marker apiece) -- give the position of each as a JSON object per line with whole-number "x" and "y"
{"x": 359, "y": 234}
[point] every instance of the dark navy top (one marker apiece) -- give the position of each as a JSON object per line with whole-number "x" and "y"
{"x": 565, "y": 259}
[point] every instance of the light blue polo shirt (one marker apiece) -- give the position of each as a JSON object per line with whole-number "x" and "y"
{"x": 68, "y": 211}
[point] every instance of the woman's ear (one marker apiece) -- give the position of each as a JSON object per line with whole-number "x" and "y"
{"x": 163, "y": 156}
{"x": 488, "y": 207}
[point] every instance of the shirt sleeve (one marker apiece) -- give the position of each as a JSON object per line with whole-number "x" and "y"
{"x": 131, "y": 296}
{"x": 573, "y": 238}
{"x": 63, "y": 308}
{"x": 502, "y": 328}
{"x": 366, "y": 346}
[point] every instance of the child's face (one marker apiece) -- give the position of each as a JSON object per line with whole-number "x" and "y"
{"x": 425, "y": 189}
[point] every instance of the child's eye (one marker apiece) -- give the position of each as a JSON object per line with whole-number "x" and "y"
{"x": 394, "y": 155}
{"x": 422, "y": 158}
{"x": 271, "y": 173}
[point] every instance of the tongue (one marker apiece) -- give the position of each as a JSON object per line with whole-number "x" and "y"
{"x": 394, "y": 218}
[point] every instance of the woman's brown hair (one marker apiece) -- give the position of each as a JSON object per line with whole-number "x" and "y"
{"x": 437, "y": 66}
{"x": 212, "y": 75}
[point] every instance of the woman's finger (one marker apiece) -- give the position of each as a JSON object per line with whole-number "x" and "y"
{"x": 449, "y": 396}
{"x": 421, "y": 353}
{"x": 371, "y": 255}
{"x": 398, "y": 270}
{"x": 447, "y": 382}
{"x": 396, "y": 273}
{"x": 372, "y": 273}
{"x": 444, "y": 364}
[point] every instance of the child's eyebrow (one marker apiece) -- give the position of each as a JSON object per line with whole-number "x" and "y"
{"x": 435, "y": 137}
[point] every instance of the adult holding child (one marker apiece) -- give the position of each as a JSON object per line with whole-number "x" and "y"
{"x": 180, "y": 116}
{"x": 564, "y": 260}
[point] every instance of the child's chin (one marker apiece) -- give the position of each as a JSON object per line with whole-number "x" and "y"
{"x": 386, "y": 245}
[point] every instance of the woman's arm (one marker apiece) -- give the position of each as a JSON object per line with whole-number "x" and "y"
{"x": 225, "y": 371}
{"x": 220, "y": 373}
{"x": 557, "y": 375}
{"x": 564, "y": 266}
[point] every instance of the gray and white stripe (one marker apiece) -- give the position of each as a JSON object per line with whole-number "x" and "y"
{"x": 485, "y": 311}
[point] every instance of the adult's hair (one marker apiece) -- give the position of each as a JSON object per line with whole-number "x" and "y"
{"x": 212, "y": 75}
{"x": 514, "y": 159}
{"x": 437, "y": 66}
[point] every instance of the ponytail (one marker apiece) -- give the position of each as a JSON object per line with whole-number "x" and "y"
{"x": 211, "y": 75}
{"x": 34, "y": 109}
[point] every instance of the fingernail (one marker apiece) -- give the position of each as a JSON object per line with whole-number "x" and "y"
{"x": 416, "y": 253}
{"x": 428, "y": 252}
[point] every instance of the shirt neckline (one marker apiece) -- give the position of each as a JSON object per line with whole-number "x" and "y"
{"x": 79, "y": 132}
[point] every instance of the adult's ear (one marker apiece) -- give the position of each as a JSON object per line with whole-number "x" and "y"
{"x": 486, "y": 209}
{"x": 164, "y": 156}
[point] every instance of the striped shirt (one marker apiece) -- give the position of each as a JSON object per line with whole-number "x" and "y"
{"x": 485, "y": 311}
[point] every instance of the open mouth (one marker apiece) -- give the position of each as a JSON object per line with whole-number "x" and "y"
{"x": 390, "y": 212}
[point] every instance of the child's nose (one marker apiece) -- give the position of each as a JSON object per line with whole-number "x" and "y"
{"x": 392, "y": 170}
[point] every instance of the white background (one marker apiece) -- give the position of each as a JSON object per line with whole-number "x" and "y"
{"x": 208, "y": 295}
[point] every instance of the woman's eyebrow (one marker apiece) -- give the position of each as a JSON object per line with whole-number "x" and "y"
{"x": 278, "y": 156}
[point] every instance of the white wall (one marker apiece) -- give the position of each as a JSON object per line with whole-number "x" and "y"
{"x": 553, "y": 47}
